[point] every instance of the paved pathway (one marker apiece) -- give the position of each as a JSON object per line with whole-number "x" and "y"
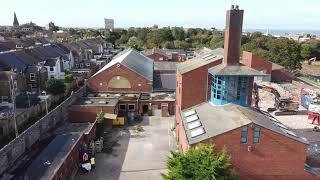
{"x": 137, "y": 155}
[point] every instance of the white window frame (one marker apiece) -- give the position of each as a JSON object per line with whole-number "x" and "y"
{"x": 134, "y": 107}
{"x": 32, "y": 77}
{"x": 125, "y": 107}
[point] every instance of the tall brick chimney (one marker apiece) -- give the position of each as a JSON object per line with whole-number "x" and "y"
{"x": 232, "y": 36}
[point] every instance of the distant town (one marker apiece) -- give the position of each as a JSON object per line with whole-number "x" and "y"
{"x": 158, "y": 102}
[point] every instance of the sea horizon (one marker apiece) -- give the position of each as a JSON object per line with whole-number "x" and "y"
{"x": 284, "y": 31}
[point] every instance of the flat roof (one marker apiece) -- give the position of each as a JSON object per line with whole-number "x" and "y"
{"x": 165, "y": 65}
{"x": 234, "y": 70}
{"x": 211, "y": 121}
{"x": 96, "y": 101}
{"x": 51, "y": 158}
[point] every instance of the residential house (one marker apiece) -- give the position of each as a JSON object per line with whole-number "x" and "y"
{"x": 55, "y": 68}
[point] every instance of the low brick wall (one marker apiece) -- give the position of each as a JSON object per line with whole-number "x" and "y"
{"x": 13, "y": 151}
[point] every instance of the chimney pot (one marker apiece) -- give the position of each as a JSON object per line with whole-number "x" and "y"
{"x": 232, "y": 6}
{"x": 237, "y": 7}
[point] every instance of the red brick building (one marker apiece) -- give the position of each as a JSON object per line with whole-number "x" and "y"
{"x": 134, "y": 82}
{"x": 214, "y": 106}
{"x": 128, "y": 72}
{"x": 156, "y": 54}
{"x": 86, "y": 109}
{"x": 275, "y": 71}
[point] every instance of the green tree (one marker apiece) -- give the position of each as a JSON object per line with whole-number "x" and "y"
{"x": 285, "y": 52}
{"x": 133, "y": 42}
{"x": 100, "y": 123}
{"x": 305, "y": 51}
{"x": 200, "y": 163}
{"x": 217, "y": 40}
{"x": 178, "y": 33}
{"x": 55, "y": 86}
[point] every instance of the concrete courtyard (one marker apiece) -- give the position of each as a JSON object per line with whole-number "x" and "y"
{"x": 136, "y": 155}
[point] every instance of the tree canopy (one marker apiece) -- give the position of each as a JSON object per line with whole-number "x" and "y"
{"x": 166, "y": 37}
{"x": 282, "y": 51}
{"x": 55, "y": 86}
{"x": 199, "y": 163}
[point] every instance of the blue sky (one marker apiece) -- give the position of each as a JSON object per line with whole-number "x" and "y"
{"x": 262, "y": 14}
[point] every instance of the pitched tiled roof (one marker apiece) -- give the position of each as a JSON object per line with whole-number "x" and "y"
{"x": 164, "y": 82}
{"x": 12, "y": 61}
{"x": 133, "y": 60}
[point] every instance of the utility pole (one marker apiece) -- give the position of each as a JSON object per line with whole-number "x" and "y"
{"x": 13, "y": 98}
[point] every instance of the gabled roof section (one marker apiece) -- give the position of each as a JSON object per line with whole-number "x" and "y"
{"x": 216, "y": 120}
{"x": 196, "y": 63}
{"x": 12, "y": 61}
{"x": 133, "y": 60}
{"x": 164, "y": 82}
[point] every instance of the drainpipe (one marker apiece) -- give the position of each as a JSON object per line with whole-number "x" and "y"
{"x": 207, "y": 86}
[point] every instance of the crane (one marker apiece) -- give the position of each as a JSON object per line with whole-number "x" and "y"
{"x": 282, "y": 106}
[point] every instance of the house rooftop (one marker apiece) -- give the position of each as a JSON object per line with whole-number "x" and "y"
{"x": 164, "y": 82}
{"x": 205, "y": 121}
{"x": 197, "y": 62}
{"x": 97, "y": 101}
{"x": 52, "y": 157}
{"x": 134, "y": 61}
{"x": 165, "y": 65}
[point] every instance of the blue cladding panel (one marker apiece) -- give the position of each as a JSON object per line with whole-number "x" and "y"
{"x": 230, "y": 89}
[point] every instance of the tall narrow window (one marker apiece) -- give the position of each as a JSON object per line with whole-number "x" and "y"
{"x": 244, "y": 135}
{"x": 256, "y": 136}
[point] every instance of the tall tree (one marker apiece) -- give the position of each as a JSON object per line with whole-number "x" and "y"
{"x": 305, "y": 51}
{"x": 200, "y": 163}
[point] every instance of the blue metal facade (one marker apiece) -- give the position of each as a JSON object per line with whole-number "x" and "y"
{"x": 230, "y": 89}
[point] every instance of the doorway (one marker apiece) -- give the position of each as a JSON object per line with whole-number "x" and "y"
{"x": 145, "y": 109}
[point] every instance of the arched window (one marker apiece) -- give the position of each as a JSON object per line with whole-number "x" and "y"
{"x": 119, "y": 82}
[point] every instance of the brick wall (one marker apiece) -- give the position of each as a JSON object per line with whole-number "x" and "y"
{"x": 13, "y": 151}
{"x": 181, "y": 135}
{"x": 191, "y": 86}
{"x": 178, "y": 57}
{"x": 256, "y": 62}
{"x": 281, "y": 75}
{"x": 99, "y": 83}
{"x": 78, "y": 114}
{"x": 72, "y": 161}
{"x": 274, "y": 157}
{"x": 156, "y": 56}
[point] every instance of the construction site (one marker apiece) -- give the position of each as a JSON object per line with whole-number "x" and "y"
{"x": 296, "y": 105}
